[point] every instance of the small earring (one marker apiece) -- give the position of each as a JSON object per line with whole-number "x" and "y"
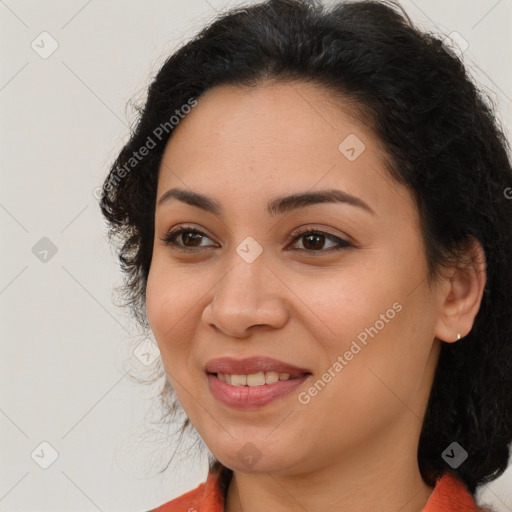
{"x": 458, "y": 336}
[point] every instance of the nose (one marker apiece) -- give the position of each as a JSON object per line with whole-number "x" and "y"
{"x": 249, "y": 297}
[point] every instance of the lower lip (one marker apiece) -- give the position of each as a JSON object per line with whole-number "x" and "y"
{"x": 245, "y": 397}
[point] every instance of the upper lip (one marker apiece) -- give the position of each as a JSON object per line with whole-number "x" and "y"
{"x": 249, "y": 365}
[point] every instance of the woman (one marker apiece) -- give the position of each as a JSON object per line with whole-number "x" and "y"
{"x": 314, "y": 224}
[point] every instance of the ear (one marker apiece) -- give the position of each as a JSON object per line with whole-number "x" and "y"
{"x": 461, "y": 294}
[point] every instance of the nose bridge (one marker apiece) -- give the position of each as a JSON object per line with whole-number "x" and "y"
{"x": 247, "y": 295}
{"x": 246, "y": 284}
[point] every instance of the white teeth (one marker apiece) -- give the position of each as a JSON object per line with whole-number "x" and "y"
{"x": 238, "y": 380}
{"x": 271, "y": 377}
{"x": 253, "y": 379}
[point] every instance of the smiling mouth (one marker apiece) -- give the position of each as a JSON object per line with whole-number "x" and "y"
{"x": 255, "y": 379}
{"x": 249, "y": 391}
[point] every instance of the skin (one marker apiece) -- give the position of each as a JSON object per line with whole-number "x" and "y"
{"x": 353, "y": 446}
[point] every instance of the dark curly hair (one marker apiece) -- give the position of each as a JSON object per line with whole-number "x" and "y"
{"x": 442, "y": 139}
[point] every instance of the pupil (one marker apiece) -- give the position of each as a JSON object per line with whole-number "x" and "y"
{"x": 317, "y": 245}
{"x": 193, "y": 236}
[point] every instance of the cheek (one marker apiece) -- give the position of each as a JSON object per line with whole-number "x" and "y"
{"x": 380, "y": 329}
{"x": 345, "y": 305}
{"x": 167, "y": 291}
{"x": 154, "y": 299}
{"x": 164, "y": 311}
{"x": 173, "y": 310}
{"x": 166, "y": 305}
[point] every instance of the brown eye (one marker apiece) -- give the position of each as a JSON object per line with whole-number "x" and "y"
{"x": 189, "y": 237}
{"x": 314, "y": 241}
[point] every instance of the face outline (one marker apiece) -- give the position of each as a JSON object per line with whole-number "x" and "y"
{"x": 245, "y": 147}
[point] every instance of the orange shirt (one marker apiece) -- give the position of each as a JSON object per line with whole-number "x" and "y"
{"x": 449, "y": 495}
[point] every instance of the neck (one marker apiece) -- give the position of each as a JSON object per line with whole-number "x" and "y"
{"x": 379, "y": 476}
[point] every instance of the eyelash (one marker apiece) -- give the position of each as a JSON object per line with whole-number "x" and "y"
{"x": 169, "y": 240}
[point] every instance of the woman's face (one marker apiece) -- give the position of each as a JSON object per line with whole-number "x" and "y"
{"x": 348, "y": 305}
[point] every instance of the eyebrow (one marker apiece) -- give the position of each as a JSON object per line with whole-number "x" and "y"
{"x": 277, "y": 206}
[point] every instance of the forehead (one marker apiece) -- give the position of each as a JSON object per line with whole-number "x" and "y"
{"x": 272, "y": 139}
{"x": 288, "y": 114}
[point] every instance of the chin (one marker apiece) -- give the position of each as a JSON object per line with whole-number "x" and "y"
{"x": 251, "y": 455}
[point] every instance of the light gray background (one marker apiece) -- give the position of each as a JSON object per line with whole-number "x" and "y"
{"x": 66, "y": 347}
